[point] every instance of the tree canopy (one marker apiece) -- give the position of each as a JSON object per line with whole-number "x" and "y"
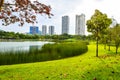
{"x": 22, "y": 11}
{"x": 98, "y": 23}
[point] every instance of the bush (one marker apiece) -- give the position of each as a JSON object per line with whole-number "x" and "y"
{"x": 65, "y": 49}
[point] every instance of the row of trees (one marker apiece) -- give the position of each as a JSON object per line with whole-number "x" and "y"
{"x": 12, "y": 35}
{"x": 99, "y": 26}
{"x": 64, "y": 37}
{"x": 112, "y": 37}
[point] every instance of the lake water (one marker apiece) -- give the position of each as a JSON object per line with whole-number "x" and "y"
{"x": 20, "y": 46}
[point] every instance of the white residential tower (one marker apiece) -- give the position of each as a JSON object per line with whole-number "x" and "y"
{"x": 80, "y": 25}
{"x": 65, "y": 24}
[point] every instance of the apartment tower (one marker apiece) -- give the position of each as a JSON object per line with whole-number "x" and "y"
{"x": 65, "y": 24}
{"x": 44, "y": 30}
{"x": 51, "y": 30}
{"x": 34, "y": 30}
{"x": 80, "y": 25}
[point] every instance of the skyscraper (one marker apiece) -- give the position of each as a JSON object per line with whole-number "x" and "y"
{"x": 51, "y": 30}
{"x": 80, "y": 25}
{"x": 65, "y": 24}
{"x": 44, "y": 30}
{"x": 34, "y": 30}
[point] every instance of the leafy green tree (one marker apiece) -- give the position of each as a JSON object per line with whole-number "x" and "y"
{"x": 64, "y": 36}
{"x": 98, "y": 23}
{"x": 104, "y": 40}
{"x": 116, "y": 36}
{"x": 109, "y": 37}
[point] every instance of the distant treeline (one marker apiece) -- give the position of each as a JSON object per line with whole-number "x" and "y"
{"x": 13, "y": 35}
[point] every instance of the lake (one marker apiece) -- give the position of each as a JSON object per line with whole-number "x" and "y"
{"x": 20, "y": 46}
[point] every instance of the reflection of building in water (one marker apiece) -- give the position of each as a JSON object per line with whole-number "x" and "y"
{"x": 34, "y": 47}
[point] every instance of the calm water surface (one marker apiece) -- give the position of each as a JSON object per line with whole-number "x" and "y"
{"x": 20, "y": 46}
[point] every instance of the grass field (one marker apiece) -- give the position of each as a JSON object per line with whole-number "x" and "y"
{"x": 83, "y": 67}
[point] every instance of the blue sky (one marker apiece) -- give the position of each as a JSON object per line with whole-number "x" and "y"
{"x": 70, "y": 8}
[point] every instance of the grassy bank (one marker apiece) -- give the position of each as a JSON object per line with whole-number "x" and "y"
{"x": 83, "y": 67}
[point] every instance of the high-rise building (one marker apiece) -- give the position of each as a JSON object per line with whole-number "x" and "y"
{"x": 80, "y": 25}
{"x": 44, "y": 30}
{"x": 34, "y": 30}
{"x": 51, "y": 30}
{"x": 65, "y": 24}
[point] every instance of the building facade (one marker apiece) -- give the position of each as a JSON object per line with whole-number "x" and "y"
{"x": 44, "y": 30}
{"x": 65, "y": 24}
{"x": 51, "y": 30}
{"x": 80, "y": 25}
{"x": 34, "y": 30}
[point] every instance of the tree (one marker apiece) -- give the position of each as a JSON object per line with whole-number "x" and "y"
{"x": 98, "y": 23}
{"x": 109, "y": 33}
{"x": 116, "y": 36}
{"x": 104, "y": 40}
{"x": 22, "y": 11}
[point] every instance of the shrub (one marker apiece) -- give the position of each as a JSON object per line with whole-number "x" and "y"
{"x": 65, "y": 49}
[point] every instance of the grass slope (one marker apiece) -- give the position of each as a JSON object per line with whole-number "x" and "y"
{"x": 83, "y": 67}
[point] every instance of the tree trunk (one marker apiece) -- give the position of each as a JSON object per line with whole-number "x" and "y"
{"x": 109, "y": 48}
{"x": 105, "y": 46}
{"x": 116, "y": 49}
{"x": 97, "y": 46}
{"x": 109, "y": 42}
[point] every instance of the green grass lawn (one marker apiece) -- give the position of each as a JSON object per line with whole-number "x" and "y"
{"x": 83, "y": 67}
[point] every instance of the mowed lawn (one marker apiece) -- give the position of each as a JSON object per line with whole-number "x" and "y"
{"x": 82, "y": 67}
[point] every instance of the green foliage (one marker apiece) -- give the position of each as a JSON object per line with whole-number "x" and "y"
{"x": 12, "y": 35}
{"x": 116, "y": 36}
{"x": 65, "y": 49}
{"x": 98, "y": 24}
{"x": 48, "y": 52}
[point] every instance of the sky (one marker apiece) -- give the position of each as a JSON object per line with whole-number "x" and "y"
{"x": 71, "y": 8}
